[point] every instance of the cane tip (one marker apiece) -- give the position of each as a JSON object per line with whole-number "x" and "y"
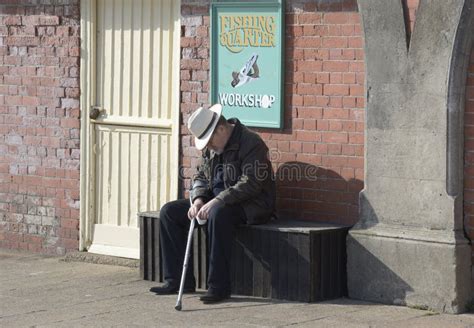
{"x": 178, "y": 307}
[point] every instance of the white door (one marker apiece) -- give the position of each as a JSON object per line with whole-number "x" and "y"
{"x": 134, "y": 139}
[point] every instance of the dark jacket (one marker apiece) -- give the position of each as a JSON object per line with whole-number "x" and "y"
{"x": 248, "y": 175}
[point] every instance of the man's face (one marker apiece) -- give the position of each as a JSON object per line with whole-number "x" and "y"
{"x": 216, "y": 143}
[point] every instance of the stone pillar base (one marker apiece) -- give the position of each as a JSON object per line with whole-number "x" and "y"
{"x": 418, "y": 268}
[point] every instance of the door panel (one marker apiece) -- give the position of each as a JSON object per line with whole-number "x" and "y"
{"x": 132, "y": 172}
{"x": 134, "y": 62}
{"x": 132, "y": 139}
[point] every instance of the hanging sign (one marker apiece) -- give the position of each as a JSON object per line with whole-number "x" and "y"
{"x": 246, "y": 61}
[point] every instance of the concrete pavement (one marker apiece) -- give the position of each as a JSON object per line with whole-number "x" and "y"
{"x": 42, "y": 291}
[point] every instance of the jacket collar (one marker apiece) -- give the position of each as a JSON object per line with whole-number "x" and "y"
{"x": 234, "y": 141}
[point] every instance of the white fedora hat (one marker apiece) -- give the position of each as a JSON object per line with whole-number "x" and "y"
{"x": 202, "y": 124}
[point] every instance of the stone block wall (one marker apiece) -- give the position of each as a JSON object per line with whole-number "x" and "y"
{"x": 410, "y": 9}
{"x": 39, "y": 125}
{"x": 323, "y": 133}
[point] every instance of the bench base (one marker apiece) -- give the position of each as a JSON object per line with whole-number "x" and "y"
{"x": 288, "y": 260}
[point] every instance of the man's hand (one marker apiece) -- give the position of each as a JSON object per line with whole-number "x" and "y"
{"x": 203, "y": 213}
{"x": 193, "y": 210}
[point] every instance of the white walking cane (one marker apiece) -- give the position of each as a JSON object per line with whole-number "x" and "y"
{"x": 186, "y": 260}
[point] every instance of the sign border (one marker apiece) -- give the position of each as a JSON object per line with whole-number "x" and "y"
{"x": 278, "y": 5}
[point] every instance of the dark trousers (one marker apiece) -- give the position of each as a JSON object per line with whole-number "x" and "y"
{"x": 220, "y": 229}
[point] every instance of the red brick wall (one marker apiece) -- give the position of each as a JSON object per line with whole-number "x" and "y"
{"x": 39, "y": 115}
{"x": 324, "y": 106}
{"x": 409, "y": 9}
{"x": 39, "y": 125}
{"x": 469, "y": 152}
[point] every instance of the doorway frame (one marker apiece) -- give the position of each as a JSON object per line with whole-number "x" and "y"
{"x": 88, "y": 9}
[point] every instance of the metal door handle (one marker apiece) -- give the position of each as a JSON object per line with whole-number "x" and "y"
{"x": 95, "y": 112}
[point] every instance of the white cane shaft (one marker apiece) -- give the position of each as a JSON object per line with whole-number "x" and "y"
{"x": 186, "y": 260}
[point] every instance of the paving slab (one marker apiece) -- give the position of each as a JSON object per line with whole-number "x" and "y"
{"x": 43, "y": 291}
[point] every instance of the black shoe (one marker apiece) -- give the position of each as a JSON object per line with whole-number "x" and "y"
{"x": 212, "y": 297}
{"x": 168, "y": 289}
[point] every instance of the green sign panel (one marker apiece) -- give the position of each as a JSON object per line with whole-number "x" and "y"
{"x": 246, "y": 61}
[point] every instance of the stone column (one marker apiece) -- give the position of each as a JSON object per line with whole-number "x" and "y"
{"x": 409, "y": 246}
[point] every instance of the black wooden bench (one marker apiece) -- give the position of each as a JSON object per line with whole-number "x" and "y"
{"x": 288, "y": 260}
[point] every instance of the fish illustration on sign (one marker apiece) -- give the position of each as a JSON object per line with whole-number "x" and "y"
{"x": 247, "y": 73}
